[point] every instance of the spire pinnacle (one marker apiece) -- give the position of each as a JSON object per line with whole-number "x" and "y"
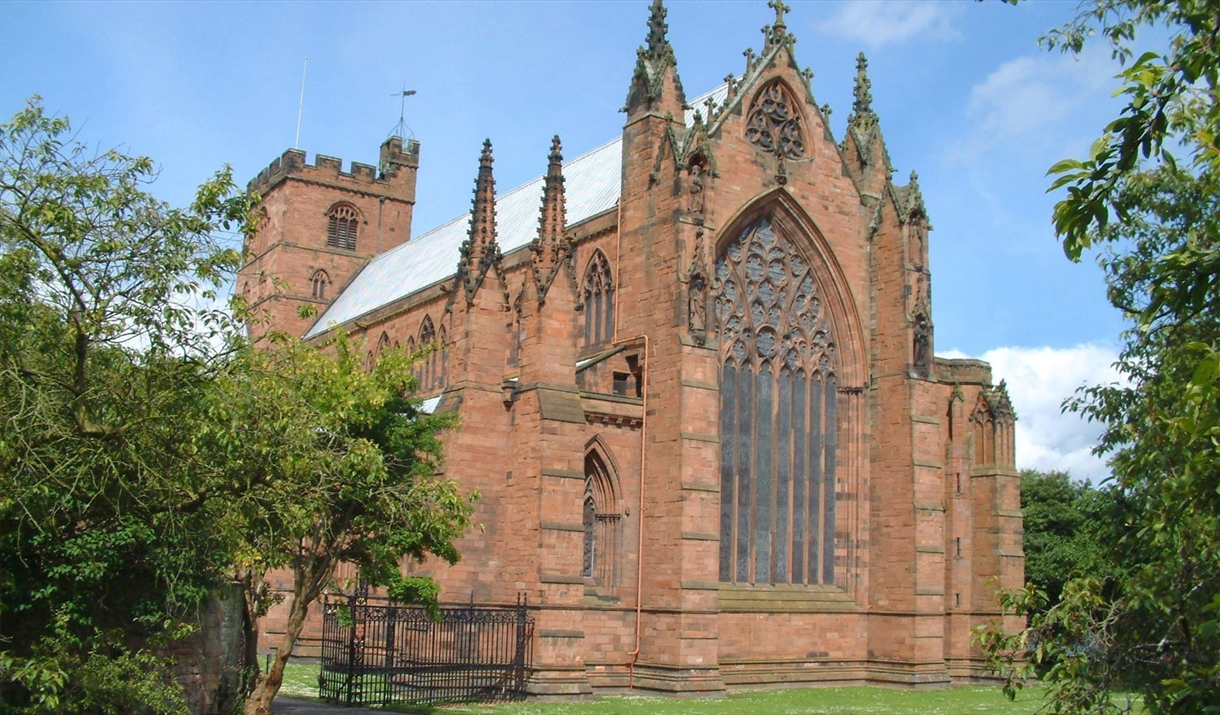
{"x": 657, "y": 29}
{"x": 914, "y": 196}
{"x": 863, "y": 91}
{"x": 549, "y": 250}
{"x": 656, "y": 69}
{"x": 555, "y": 158}
{"x": 480, "y": 249}
{"x": 485, "y": 159}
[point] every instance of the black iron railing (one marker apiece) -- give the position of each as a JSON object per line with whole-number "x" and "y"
{"x": 381, "y": 654}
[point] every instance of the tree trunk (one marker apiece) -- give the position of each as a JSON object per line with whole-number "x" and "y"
{"x": 269, "y": 683}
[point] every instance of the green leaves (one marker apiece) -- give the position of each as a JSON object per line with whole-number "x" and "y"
{"x": 1150, "y": 624}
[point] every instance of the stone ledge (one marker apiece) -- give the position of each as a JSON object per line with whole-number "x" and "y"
{"x": 699, "y": 536}
{"x": 562, "y": 526}
{"x": 560, "y": 633}
{"x": 562, "y": 473}
{"x": 701, "y": 487}
{"x": 700, "y": 384}
{"x": 700, "y": 437}
{"x": 560, "y": 578}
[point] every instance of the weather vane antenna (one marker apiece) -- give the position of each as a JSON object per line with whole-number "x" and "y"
{"x": 401, "y": 130}
{"x": 296, "y": 144}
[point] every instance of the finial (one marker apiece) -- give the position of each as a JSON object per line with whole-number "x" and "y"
{"x": 780, "y": 8}
{"x": 657, "y": 28}
{"x": 556, "y": 156}
{"x": 485, "y": 159}
{"x": 864, "y": 97}
{"x": 749, "y": 55}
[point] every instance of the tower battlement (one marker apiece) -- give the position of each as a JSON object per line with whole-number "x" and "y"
{"x": 387, "y": 178}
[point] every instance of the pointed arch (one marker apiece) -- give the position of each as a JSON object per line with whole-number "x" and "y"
{"x": 442, "y": 348}
{"x": 983, "y": 420}
{"x": 342, "y": 226}
{"x": 602, "y": 516}
{"x": 320, "y": 281}
{"x": 427, "y": 366}
{"x": 781, "y": 316}
{"x": 597, "y": 296}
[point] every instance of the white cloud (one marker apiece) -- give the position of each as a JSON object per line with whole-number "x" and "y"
{"x": 1039, "y": 380}
{"x": 888, "y": 22}
{"x": 1027, "y": 98}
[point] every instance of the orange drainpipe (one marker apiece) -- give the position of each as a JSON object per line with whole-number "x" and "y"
{"x": 639, "y": 558}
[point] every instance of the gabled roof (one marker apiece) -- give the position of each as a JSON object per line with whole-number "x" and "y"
{"x": 592, "y": 181}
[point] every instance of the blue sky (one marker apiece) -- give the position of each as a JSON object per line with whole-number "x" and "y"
{"x": 965, "y": 96}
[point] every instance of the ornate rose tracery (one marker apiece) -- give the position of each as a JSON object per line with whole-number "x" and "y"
{"x": 778, "y": 399}
{"x": 773, "y": 123}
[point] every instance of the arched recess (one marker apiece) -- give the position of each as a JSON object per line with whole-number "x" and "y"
{"x": 602, "y": 510}
{"x": 791, "y": 410}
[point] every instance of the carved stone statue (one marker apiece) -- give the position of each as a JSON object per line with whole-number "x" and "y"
{"x": 695, "y": 188}
{"x": 697, "y": 306}
{"x": 923, "y": 344}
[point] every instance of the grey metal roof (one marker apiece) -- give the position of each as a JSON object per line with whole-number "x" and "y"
{"x": 592, "y": 184}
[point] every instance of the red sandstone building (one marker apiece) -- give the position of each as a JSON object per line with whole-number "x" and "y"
{"x": 695, "y": 374}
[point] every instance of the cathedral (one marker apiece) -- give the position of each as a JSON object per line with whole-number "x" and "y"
{"x": 695, "y": 374}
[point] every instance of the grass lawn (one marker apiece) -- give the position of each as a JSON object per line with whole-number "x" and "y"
{"x": 301, "y": 680}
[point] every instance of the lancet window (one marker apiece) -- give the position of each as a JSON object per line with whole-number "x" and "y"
{"x": 342, "y": 223}
{"x": 778, "y": 414}
{"x": 774, "y": 122}
{"x": 602, "y": 523}
{"x": 426, "y": 368}
{"x": 320, "y": 281}
{"x": 598, "y": 294}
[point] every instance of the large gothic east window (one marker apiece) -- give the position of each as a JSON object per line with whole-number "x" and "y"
{"x": 777, "y": 414}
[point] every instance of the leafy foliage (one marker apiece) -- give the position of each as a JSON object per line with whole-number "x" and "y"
{"x": 1065, "y": 530}
{"x": 104, "y": 354}
{"x": 1156, "y": 629}
{"x": 149, "y": 453}
{"x": 346, "y": 465}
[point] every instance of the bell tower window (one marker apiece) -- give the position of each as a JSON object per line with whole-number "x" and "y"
{"x": 342, "y": 223}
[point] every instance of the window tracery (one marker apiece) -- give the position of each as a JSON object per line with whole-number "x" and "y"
{"x": 602, "y": 523}
{"x": 342, "y": 224}
{"x": 774, "y": 123}
{"x": 598, "y": 294}
{"x": 778, "y": 414}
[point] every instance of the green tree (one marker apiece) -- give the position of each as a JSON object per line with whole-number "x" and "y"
{"x": 1149, "y": 197}
{"x": 148, "y": 453}
{"x": 347, "y": 472}
{"x": 1064, "y": 530}
{"x": 104, "y": 354}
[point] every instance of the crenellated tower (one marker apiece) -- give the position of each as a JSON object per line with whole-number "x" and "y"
{"x": 318, "y": 226}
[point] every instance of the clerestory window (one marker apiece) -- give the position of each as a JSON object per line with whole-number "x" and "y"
{"x": 598, "y": 296}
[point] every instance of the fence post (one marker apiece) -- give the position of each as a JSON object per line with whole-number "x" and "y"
{"x": 351, "y": 649}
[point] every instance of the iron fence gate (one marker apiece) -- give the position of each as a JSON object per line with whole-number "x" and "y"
{"x": 381, "y": 654}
